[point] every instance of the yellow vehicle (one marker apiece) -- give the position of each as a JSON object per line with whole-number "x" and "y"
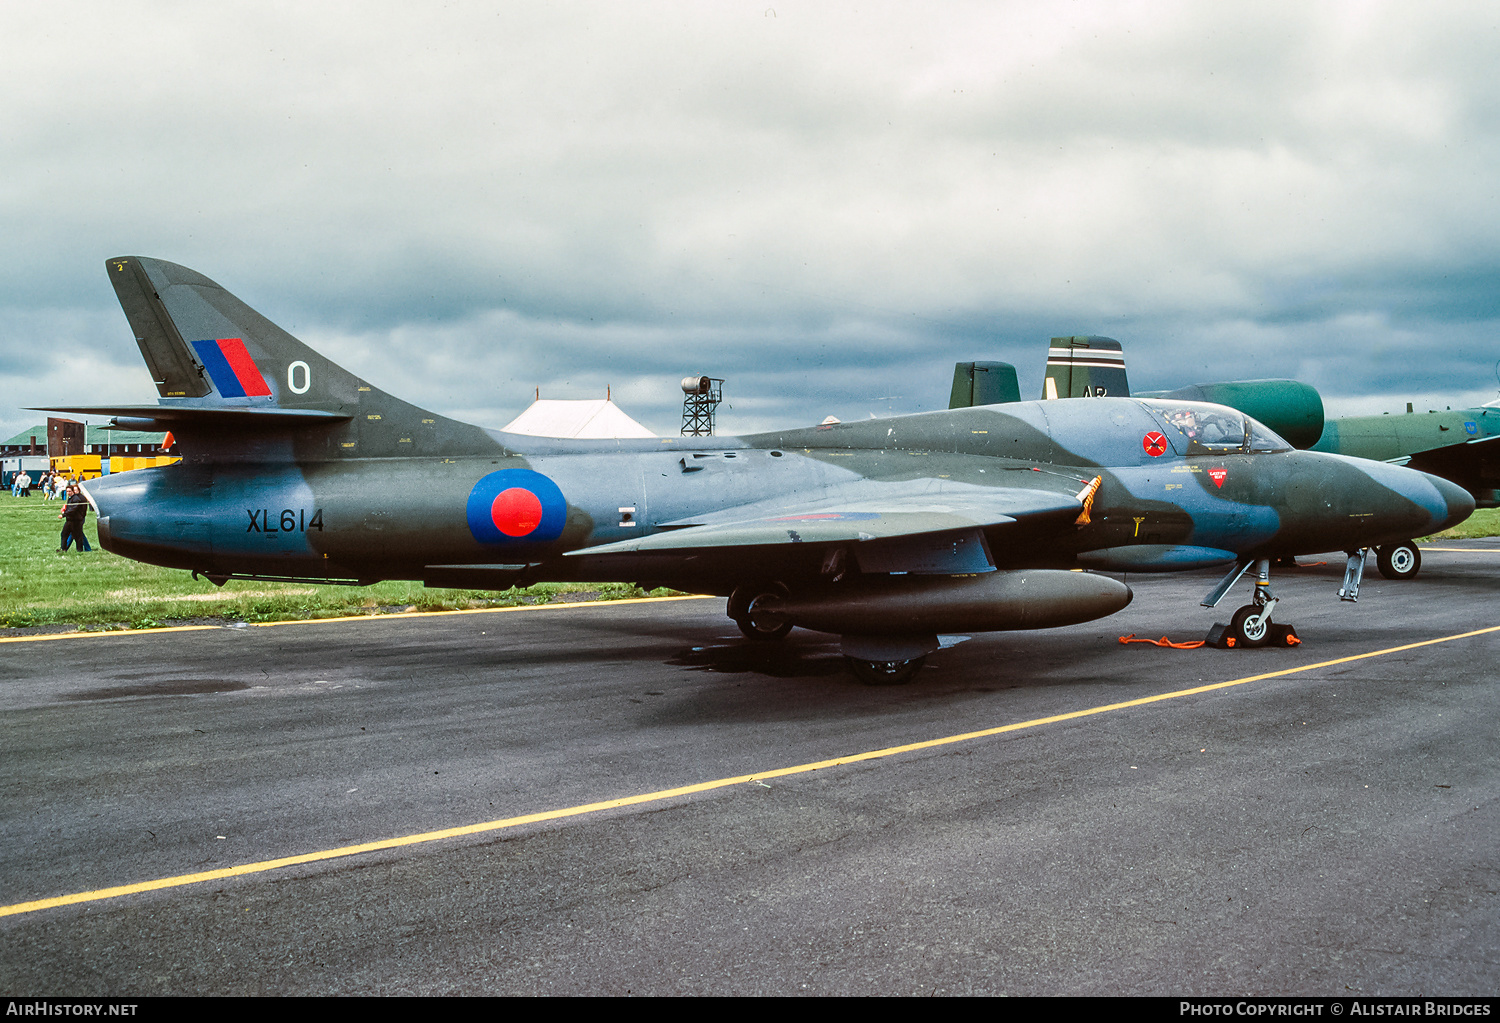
{"x": 83, "y": 467}
{"x": 124, "y": 463}
{"x": 90, "y": 467}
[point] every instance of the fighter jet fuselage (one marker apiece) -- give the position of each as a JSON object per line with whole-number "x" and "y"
{"x": 364, "y": 518}
{"x": 885, "y": 531}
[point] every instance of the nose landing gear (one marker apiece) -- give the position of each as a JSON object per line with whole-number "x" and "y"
{"x": 1251, "y": 625}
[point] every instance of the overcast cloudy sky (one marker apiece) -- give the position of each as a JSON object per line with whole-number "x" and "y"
{"x": 828, "y": 204}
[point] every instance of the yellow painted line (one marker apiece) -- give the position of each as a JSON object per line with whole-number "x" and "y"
{"x": 485, "y": 610}
{"x": 684, "y": 790}
{"x": 1465, "y": 550}
{"x": 113, "y": 632}
{"x": 358, "y": 618}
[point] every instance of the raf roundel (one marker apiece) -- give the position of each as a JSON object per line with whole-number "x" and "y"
{"x": 1155, "y": 444}
{"x": 516, "y": 505}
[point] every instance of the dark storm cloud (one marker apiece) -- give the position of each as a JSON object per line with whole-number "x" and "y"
{"x": 828, "y": 205}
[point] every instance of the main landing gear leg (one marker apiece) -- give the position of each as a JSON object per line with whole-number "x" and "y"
{"x": 1354, "y": 571}
{"x": 1251, "y": 625}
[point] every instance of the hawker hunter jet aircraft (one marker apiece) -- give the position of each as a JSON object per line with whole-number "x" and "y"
{"x": 885, "y": 532}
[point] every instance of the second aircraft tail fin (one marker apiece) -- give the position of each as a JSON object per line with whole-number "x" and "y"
{"x": 1085, "y": 367}
{"x": 983, "y": 383}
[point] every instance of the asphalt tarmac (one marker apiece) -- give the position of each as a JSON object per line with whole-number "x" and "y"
{"x": 1328, "y": 829}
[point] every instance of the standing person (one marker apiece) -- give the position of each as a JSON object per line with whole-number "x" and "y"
{"x": 73, "y": 514}
{"x": 24, "y": 482}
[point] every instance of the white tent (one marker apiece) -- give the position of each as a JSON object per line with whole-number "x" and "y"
{"x": 589, "y": 419}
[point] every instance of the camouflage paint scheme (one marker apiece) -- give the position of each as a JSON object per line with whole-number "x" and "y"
{"x": 1456, "y": 444}
{"x": 1451, "y": 444}
{"x": 881, "y": 531}
{"x": 1088, "y": 366}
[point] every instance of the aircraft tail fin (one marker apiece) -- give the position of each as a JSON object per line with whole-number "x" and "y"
{"x": 983, "y": 383}
{"x": 201, "y": 342}
{"x": 1085, "y": 366}
{"x": 224, "y": 371}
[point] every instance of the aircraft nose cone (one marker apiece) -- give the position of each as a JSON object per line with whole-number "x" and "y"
{"x": 1460, "y": 503}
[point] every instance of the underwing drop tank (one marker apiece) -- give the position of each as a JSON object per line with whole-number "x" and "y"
{"x": 991, "y": 602}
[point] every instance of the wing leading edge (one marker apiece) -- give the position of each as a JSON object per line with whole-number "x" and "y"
{"x": 936, "y": 530}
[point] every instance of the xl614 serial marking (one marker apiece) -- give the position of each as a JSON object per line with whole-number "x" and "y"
{"x": 291, "y": 520}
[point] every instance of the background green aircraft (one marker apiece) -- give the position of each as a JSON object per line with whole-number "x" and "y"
{"x": 1456, "y": 444}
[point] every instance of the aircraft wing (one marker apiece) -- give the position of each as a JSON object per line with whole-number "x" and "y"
{"x": 919, "y": 526}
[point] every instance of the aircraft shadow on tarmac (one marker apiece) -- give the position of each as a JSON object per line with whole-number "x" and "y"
{"x": 164, "y": 687}
{"x": 778, "y": 660}
{"x": 983, "y": 664}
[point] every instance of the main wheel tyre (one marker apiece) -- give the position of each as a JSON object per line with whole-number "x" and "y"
{"x": 1249, "y": 628}
{"x": 763, "y": 630}
{"x": 763, "y": 626}
{"x": 885, "y": 673}
{"x": 1398, "y": 560}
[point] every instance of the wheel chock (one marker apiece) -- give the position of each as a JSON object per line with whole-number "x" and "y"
{"x": 1220, "y": 636}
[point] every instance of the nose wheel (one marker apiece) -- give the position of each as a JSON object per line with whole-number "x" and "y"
{"x": 1251, "y": 625}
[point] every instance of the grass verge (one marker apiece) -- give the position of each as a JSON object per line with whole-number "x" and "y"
{"x": 1484, "y": 522}
{"x": 43, "y": 590}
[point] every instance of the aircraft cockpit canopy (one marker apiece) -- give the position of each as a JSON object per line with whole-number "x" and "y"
{"x": 1198, "y": 428}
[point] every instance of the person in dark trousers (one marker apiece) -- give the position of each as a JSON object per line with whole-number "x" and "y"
{"x": 73, "y": 514}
